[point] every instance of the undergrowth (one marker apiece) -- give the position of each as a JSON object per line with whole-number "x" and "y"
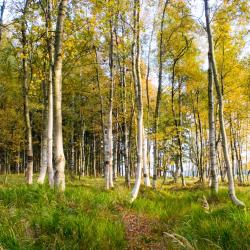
{"x": 88, "y": 217}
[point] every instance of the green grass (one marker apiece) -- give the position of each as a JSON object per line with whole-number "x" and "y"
{"x": 87, "y": 217}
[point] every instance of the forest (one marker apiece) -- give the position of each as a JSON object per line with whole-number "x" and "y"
{"x": 124, "y": 124}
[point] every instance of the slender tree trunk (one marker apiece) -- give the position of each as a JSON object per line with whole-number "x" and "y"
{"x": 125, "y": 143}
{"x": 50, "y": 95}
{"x": 197, "y": 149}
{"x": 2, "y": 8}
{"x": 158, "y": 99}
{"x": 147, "y": 179}
{"x": 179, "y": 164}
{"x": 109, "y": 138}
{"x": 138, "y": 87}
{"x": 44, "y": 139}
{"x": 115, "y": 148}
{"x": 88, "y": 159}
{"x": 82, "y": 152}
{"x": 29, "y": 168}
{"x": 118, "y": 156}
{"x": 212, "y": 137}
{"x": 18, "y": 161}
{"x": 180, "y": 135}
{"x": 202, "y": 171}
{"x": 102, "y": 116}
{"x": 145, "y": 161}
{"x": 94, "y": 155}
{"x": 221, "y": 113}
{"x": 49, "y": 121}
{"x": 72, "y": 152}
{"x": 232, "y": 147}
{"x": 121, "y": 64}
{"x": 57, "y": 74}
{"x": 129, "y": 170}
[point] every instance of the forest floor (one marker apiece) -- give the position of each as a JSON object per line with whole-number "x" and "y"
{"x": 87, "y": 216}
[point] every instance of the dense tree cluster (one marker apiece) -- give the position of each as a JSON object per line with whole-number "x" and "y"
{"x": 123, "y": 88}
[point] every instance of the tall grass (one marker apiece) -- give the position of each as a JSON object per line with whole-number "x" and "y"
{"x": 88, "y": 217}
{"x": 38, "y": 218}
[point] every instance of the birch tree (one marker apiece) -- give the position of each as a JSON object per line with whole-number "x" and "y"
{"x": 211, "y": 121}
{"x": 138, "y": 93}
{"x": 47, "y": 149}
{"x": 108, "y": 139}
{"x": 159, "y": 93}
{"x": 50, "y": 93}
{"x": 57, "y": 77}
{"x": 212, "y": 61}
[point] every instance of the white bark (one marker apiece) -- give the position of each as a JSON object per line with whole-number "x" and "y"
{"x": 50, "y": 133}
{"x": 109, "y": 136}
{"x": 231, "y": 188}
{"x": 50, "y": 99}
{"x": 212, "y": 146}
{"x": 43, "y": 164}
{"x": 44, "y": 139}
{"x": 138, "y": 88}
{"x": 47, "y": 142}
{"x": 106, "y": 158}
{"x": 57, "y": 73}
{"x": 82, "y": 152}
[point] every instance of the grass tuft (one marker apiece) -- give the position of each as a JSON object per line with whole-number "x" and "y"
{"x": 88, "y": 217}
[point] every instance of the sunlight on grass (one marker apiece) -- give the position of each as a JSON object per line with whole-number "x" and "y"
{"x": 87, "y": 217}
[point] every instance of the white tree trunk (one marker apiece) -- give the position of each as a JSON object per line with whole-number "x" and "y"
{"x": 212, "y": 146}
{"x": 43, "y": 164}
{"x": 50, "y": 132}
{"x": 109, "y": 137}
{"x": 50, "y": 98}
{"x": 47, "y": 145}
{"x": 106, "y": 158}
{"x": 138, "y": 88}
{"x": 110, "y": 151}
{"x": 57, "y": 73}
{"x": 82, "y": 152}
{"x": 231, "y": 188}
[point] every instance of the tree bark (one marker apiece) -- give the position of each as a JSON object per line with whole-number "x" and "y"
{"x": 48, "y": 127}
{"x": 231, "y": 187}
{"x": 29, "y": 167}
{"x": 158, "y": 98}
{"x": 109, "y": 137}
{"x": 50, "y": 95}
{"x": 2, "y": 8}
{"x": 44, "y": 139}
{"x": 211, "y": 121}
{"x": 57, "y": 75}
{"x": 177, "y": 129}
{"x": 94, "y": 155}
{"x": 102, "y": 111}
{"x": 138, "y": 88}
{"x": 145, "y": 161}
